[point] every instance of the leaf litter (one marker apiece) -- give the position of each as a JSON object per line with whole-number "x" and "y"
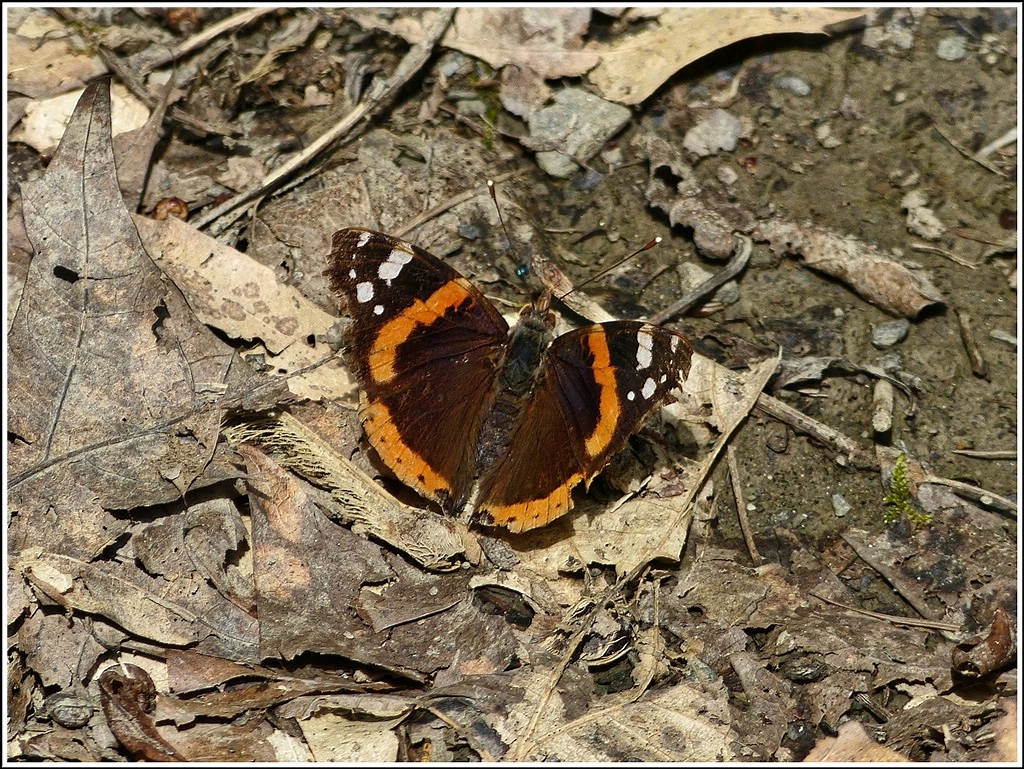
{"x": 170, "y": 590}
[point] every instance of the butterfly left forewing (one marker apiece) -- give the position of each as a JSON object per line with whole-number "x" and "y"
{"x": 424, "y": 344}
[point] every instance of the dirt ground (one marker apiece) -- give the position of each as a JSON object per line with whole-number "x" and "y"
{"x": 573, "y": 642}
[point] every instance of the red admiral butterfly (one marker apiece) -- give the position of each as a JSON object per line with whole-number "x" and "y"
{"x": 470, "y": 413}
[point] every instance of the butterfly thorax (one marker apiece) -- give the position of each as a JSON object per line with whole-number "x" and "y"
{"x": 521, "y": 369}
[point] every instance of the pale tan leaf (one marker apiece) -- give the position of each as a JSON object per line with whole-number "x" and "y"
{"x": 544, "y": 40}
{"x": 333, "y": 737}
{"x": 632, "y": 68}
{"x": 77, "y": 585}
{"x": 231, "y": 291}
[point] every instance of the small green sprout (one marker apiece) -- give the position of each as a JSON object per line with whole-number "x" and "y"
{"x": 898, "y": 501}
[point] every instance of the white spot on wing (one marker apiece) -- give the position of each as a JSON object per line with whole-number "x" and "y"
{"x": 391, "y": 269}
{"x": 352, "y": 274}
{"x": 364, "y": 292}
{"x": 378, "y": 309}
{"x": 644, "y": 348}
{"x": 631, "y": 396}
{"x": 649, "y": 389}
{"x": 364, "y": 238}
{"x": 675, "y": 343}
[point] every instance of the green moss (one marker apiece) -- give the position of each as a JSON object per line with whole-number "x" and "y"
{"x": 898, "y": 501}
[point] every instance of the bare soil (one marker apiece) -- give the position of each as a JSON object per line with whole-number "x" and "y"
{"x": 749, "y": 650}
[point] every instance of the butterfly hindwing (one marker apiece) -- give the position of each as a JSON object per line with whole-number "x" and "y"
{"x": 599, "y": 384}
{"x": 425, "y": 345}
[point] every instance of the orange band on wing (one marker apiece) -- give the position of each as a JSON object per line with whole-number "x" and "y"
{"x": 385, "y": 345}
{"x": 408, "y": 466}
{"x": 523, "y": 516}
{"x": 604, "y": 375}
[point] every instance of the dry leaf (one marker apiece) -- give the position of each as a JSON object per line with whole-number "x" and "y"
{"x": 634, "y": 66}
{"x": 852, "y": 746}
{"x": 50, "y": 59}
{"x": 303, "y": 560}
{"x": 675, "y": 724}
{"x": 334, "y": 738}
{"x": 436, "y": 542}
{"x": 76, "y": 585}
{"x": 544, "y": 40}
{"x": 876, "y": 277}
{"x": 46, "y": 121}
{"x": 112, "y": 379}
{"x": 230, "y": 291}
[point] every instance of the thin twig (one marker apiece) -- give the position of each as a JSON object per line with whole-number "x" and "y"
{"x": 961, "y": 260}
{"x": 1007, "y": 454}
{"x": 146, "y": 61}
{"x": 133, "y": 82}
{"x": 978, "y": 366}
{"x": 975, "y": 494}
{"x": 693, "y": 297}
{"x": 1010, "y": 137}
{"x": 981, "y": 162}
{"x": 741, "y": 510}
{"x": 379, "y": 95}
{"x": 929, "y": 624}
{"x": 805, "y": 424}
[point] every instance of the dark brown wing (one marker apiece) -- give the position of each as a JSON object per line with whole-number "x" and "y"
{"x": 424, "y": 344}
{"x": 600, "y": 384}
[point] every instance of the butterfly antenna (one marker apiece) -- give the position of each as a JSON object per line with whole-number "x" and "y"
{"x": 521, "y": 271}
{"x": 646, "y": 247}
{"x": 501, "y": 219}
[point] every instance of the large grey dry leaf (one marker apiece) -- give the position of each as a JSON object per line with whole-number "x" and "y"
{"x": 111, "y": 377}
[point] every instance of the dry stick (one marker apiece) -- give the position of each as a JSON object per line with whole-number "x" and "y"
{"x": 1010, "y": 137}
{"x": 733, "y": 268}
{"x": 882, "y": 406}
{"x": 378, "y": 95}
{"x": 129, "y": 77}
{"x": 803, "y": 423}
{"x": 741, "y": 511}
{"x": 978, "y": 365}
{"x": 980, "y": 161}
{"x": 930, "y": 624}
{"x": 995, "y": 454}
{"x": 145, "y": 62}
{"x": 975, "y": 493}
{"x": 961, "y": 260}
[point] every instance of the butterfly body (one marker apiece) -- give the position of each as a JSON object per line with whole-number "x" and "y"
{"x": 473, "y": 414}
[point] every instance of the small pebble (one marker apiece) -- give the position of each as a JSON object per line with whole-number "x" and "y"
{"x": 587, "y": 180}
{"x": 885, "y": 335}
{"x": 890, "y": 362}
{"x": 469, "y": 231}
{"x": 823, "y": 133}
{"x": 718, "y": 131}
{"x": 840, "y": 505}
{"x": 793, "y": 85}
{"x": 952, "y": 48}
{"x": 726, "y": 175}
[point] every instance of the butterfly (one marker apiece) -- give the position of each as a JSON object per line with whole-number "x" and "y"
{"x": 475, "y": 415}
